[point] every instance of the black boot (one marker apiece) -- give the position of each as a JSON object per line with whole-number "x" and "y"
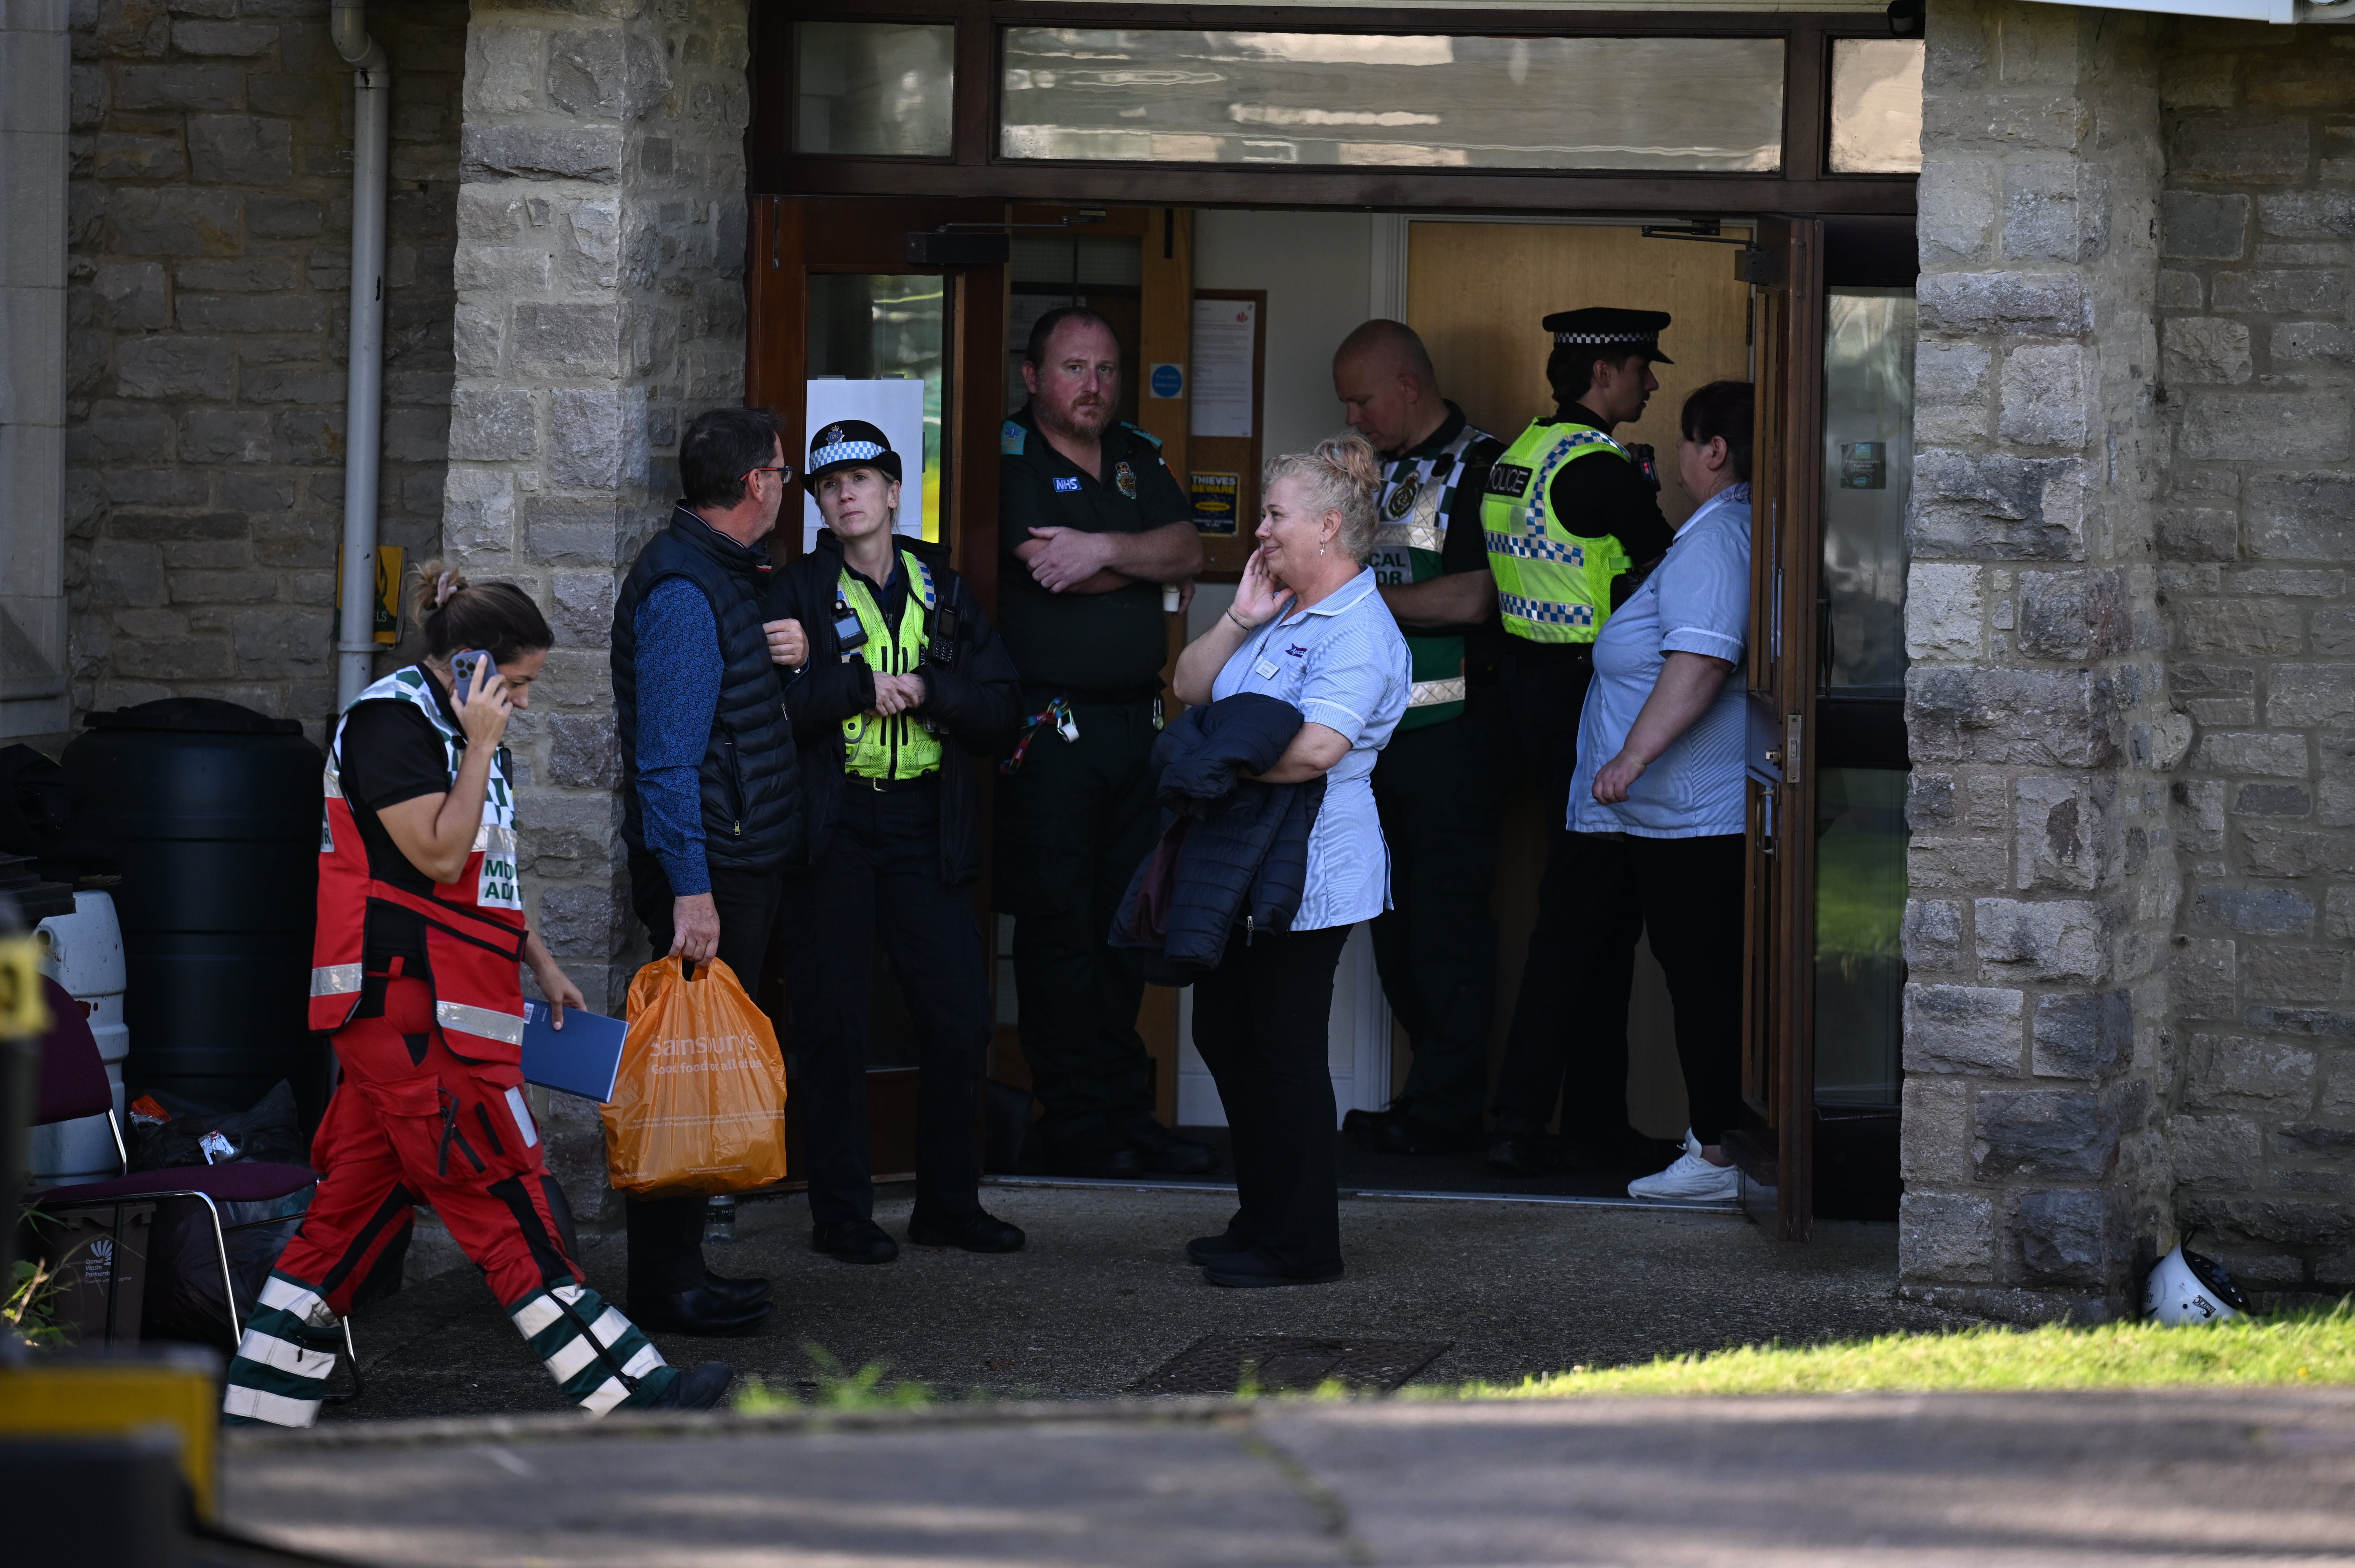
{"x": 699, "y": 1389}
{"x": 742, "y": 1292}
{"x": 974, "y": 1233}
{"x": 1164, "y": 1153}
{"x": 854, "y": 1242}
{"x": 1403, "y": 1132}
{"x": 697, "y": 1311}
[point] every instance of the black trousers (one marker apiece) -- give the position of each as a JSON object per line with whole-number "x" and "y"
{"x": 1545, "y": 696}
{"x": 666, "y": 1234}
{"x": 1259, "y": 1021}
{"x": 1439, "y": 790}
{"x": 882, "y": 873}
{"x": 1073, "y": 824}
{"x": 1686, "y": 893}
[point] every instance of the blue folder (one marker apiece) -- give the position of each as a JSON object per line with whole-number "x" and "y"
{"x": 580, "y": 1058}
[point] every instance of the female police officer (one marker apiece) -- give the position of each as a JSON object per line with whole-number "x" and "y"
{"x": 902, "y": 671}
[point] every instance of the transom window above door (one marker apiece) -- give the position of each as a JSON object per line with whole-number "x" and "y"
{"x": 1432, "y": 102}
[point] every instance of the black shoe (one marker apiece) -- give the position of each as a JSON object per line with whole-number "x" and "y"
{"x": 1526, "y": 1153}
{"x": 975, "y": 1232}
{"x": 1365, "y": 1125}
{"x": 1164, "y": 1153}
{"x": 1255, "y": 1269}
{"x": 699, "y": 1311}
{"x": 1204, "y": 1251}
{"x": 697, "y": 1390}
{"x": 1403, "y": 1132}
{"x": 1099, "y": 1154}
{"x": 741, "y": 1292}
{"x": 854, "y": 1242}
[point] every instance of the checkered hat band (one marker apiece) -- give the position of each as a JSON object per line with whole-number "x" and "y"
{"x": 846, "y": 451}
{"x": 1648, "y": 341}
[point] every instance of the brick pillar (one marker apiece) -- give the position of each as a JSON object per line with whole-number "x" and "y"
{"x": 598, "y": 269}
{"x": 2042, "y": 872}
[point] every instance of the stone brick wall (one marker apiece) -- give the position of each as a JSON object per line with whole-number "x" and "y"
{"x": 2044, "y": 877}
{"x": 2257, "y": 340}
{"x": 210, "y": 213}
{"x": 600, "y": 303}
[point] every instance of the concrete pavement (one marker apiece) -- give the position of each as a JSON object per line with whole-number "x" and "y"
{"x": 1941, "y": 1481}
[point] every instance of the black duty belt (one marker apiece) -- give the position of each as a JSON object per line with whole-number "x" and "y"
{"x": 894, "y": 786}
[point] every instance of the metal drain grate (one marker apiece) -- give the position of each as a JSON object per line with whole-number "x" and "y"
{"x": 1217, "y": 1363}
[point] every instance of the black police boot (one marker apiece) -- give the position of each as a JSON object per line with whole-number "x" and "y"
{"x": 1096, "y": 1154}
{"x": 699, "y": 1311}
{"x": 742, "y": 1292}
{"x": 974, "y": 1233}
{"x": 1366, "y": 1126}
{"x": 854, "y": 1242}
{"x": 1256, "y": 1269}
{"x": 1204, "y": 1251}
{"x": 1403, "y": 1132}
{"x": 697, "y": 1390}
{"x": 1164, "y": 1153}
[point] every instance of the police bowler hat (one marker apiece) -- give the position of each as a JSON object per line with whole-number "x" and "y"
{"x": 1630, "y": 331}
{"x": 850, "y": 443}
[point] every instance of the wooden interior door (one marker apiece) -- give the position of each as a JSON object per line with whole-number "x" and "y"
{"x": 807, "y": 256}
{"x": 1774, "y": 1149}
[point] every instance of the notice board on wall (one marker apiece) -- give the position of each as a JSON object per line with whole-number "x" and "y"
{"x": 1228, "y": 422}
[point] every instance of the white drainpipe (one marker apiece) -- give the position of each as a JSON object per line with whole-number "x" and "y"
{"x": 363, "y": 397}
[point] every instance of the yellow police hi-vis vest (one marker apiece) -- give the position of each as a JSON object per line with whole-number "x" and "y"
{"x": 900, "y": 747}
{"x": 1553, "y": 586}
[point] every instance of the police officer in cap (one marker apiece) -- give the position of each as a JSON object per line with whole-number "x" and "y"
{"x": 1091, "y": 524}
{"x": 1573, "y": 519}
{"x": 903, "y": 687}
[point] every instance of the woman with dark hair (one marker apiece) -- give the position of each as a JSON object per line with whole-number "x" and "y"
{"x": 1655, "y": 813}
{"x": 415, "y": 972}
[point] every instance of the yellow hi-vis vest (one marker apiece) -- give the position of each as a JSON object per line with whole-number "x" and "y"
{"x": 1552, "y": 585}
{"x": 900, "y": 747}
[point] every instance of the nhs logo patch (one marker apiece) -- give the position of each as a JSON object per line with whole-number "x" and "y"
{"x": 1067, "y": 482}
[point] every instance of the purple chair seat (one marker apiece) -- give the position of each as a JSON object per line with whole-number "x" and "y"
{"x": 246, "y": 1181}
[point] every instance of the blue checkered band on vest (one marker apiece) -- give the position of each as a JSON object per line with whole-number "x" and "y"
{"x": 1570, "y": 554}
{"x": 1539, "y": 610}
{"x": 846, "y": 451}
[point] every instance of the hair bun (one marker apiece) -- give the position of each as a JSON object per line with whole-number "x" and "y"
{"x": 1351, "y": 458}
{"x": 432, "y": 584}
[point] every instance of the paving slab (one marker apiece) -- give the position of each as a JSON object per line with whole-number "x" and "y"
{"x": 2107, "y": 1481}
{"x": 1103, "y": 1295}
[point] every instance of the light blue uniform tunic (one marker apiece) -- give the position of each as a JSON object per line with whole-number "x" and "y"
{"x": 1344, "y": 664}
{"x": 1696, "y": 600}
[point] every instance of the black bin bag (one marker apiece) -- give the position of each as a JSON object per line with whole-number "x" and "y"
{"x": 187, "y": 1296}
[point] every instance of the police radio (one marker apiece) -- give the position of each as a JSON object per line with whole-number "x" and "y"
{"x": 1642, "y": 456}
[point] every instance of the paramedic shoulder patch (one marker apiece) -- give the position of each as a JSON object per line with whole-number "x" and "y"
{"x": 1010, "y": 438}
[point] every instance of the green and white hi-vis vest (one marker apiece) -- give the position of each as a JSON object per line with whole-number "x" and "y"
{"x": 499, "y": 886}
{"x": 900, "y": 747}
{"x": 1552, "y": 585}
{"x": 1411, "y": 518}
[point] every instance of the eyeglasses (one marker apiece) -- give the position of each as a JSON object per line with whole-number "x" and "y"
{"x": 786, "y": 468}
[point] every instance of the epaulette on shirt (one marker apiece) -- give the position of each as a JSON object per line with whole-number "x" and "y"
{"x": 1012, "y": 436}
{"x": 1147, "y": 435}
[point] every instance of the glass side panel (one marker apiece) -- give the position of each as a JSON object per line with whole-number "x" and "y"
{"x": 871, "y": 334}
{"x": 1163, "y": 95}
{"x": 1876, "y": 106}
{"x": 881, "y": 89}
{"x": 1860, "y": 902}
{"x": 1868, "y": 477}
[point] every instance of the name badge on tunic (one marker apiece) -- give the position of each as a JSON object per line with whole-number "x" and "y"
{"x": 1264, "y": 669}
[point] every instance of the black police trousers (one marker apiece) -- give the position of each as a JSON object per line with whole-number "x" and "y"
{"x": 1546, "y": 695}
{"x": 666, "y": 1234}
{"x": 880, "y": 874}
{"x": 1074, "y": 822}
{"x": 1439, "y": 789}
{"x": 1261, "y": 1020}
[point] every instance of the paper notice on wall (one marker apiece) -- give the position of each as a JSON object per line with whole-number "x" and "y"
{"x": 1225, "y": 335}
{"x": 896, "y": 407}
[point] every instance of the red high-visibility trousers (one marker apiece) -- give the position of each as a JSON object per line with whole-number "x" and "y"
{"x": 410, "y": 1124}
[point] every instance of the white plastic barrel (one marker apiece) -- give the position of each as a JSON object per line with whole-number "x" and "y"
{"x": 83, "y": 953}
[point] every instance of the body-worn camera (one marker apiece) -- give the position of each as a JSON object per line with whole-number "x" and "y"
{"x": 1642, "y": 454}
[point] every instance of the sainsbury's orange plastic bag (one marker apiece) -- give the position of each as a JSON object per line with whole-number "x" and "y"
{"x": 699, "y": 1103}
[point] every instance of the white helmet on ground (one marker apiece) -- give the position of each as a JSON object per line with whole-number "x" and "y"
{"x": 2185, "y": 1287}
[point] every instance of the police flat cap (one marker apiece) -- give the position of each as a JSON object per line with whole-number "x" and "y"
{"x": 850, "y": 443}
{"x": 1602, "y": 326}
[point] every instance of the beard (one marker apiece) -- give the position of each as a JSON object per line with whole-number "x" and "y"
{"x": 1086, "y": 419}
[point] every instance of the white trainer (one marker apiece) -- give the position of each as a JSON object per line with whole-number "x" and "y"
{"x": 1691, "y": 1180}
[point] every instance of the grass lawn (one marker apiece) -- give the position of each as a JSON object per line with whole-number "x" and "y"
{"x": 2300, "y": 1347}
